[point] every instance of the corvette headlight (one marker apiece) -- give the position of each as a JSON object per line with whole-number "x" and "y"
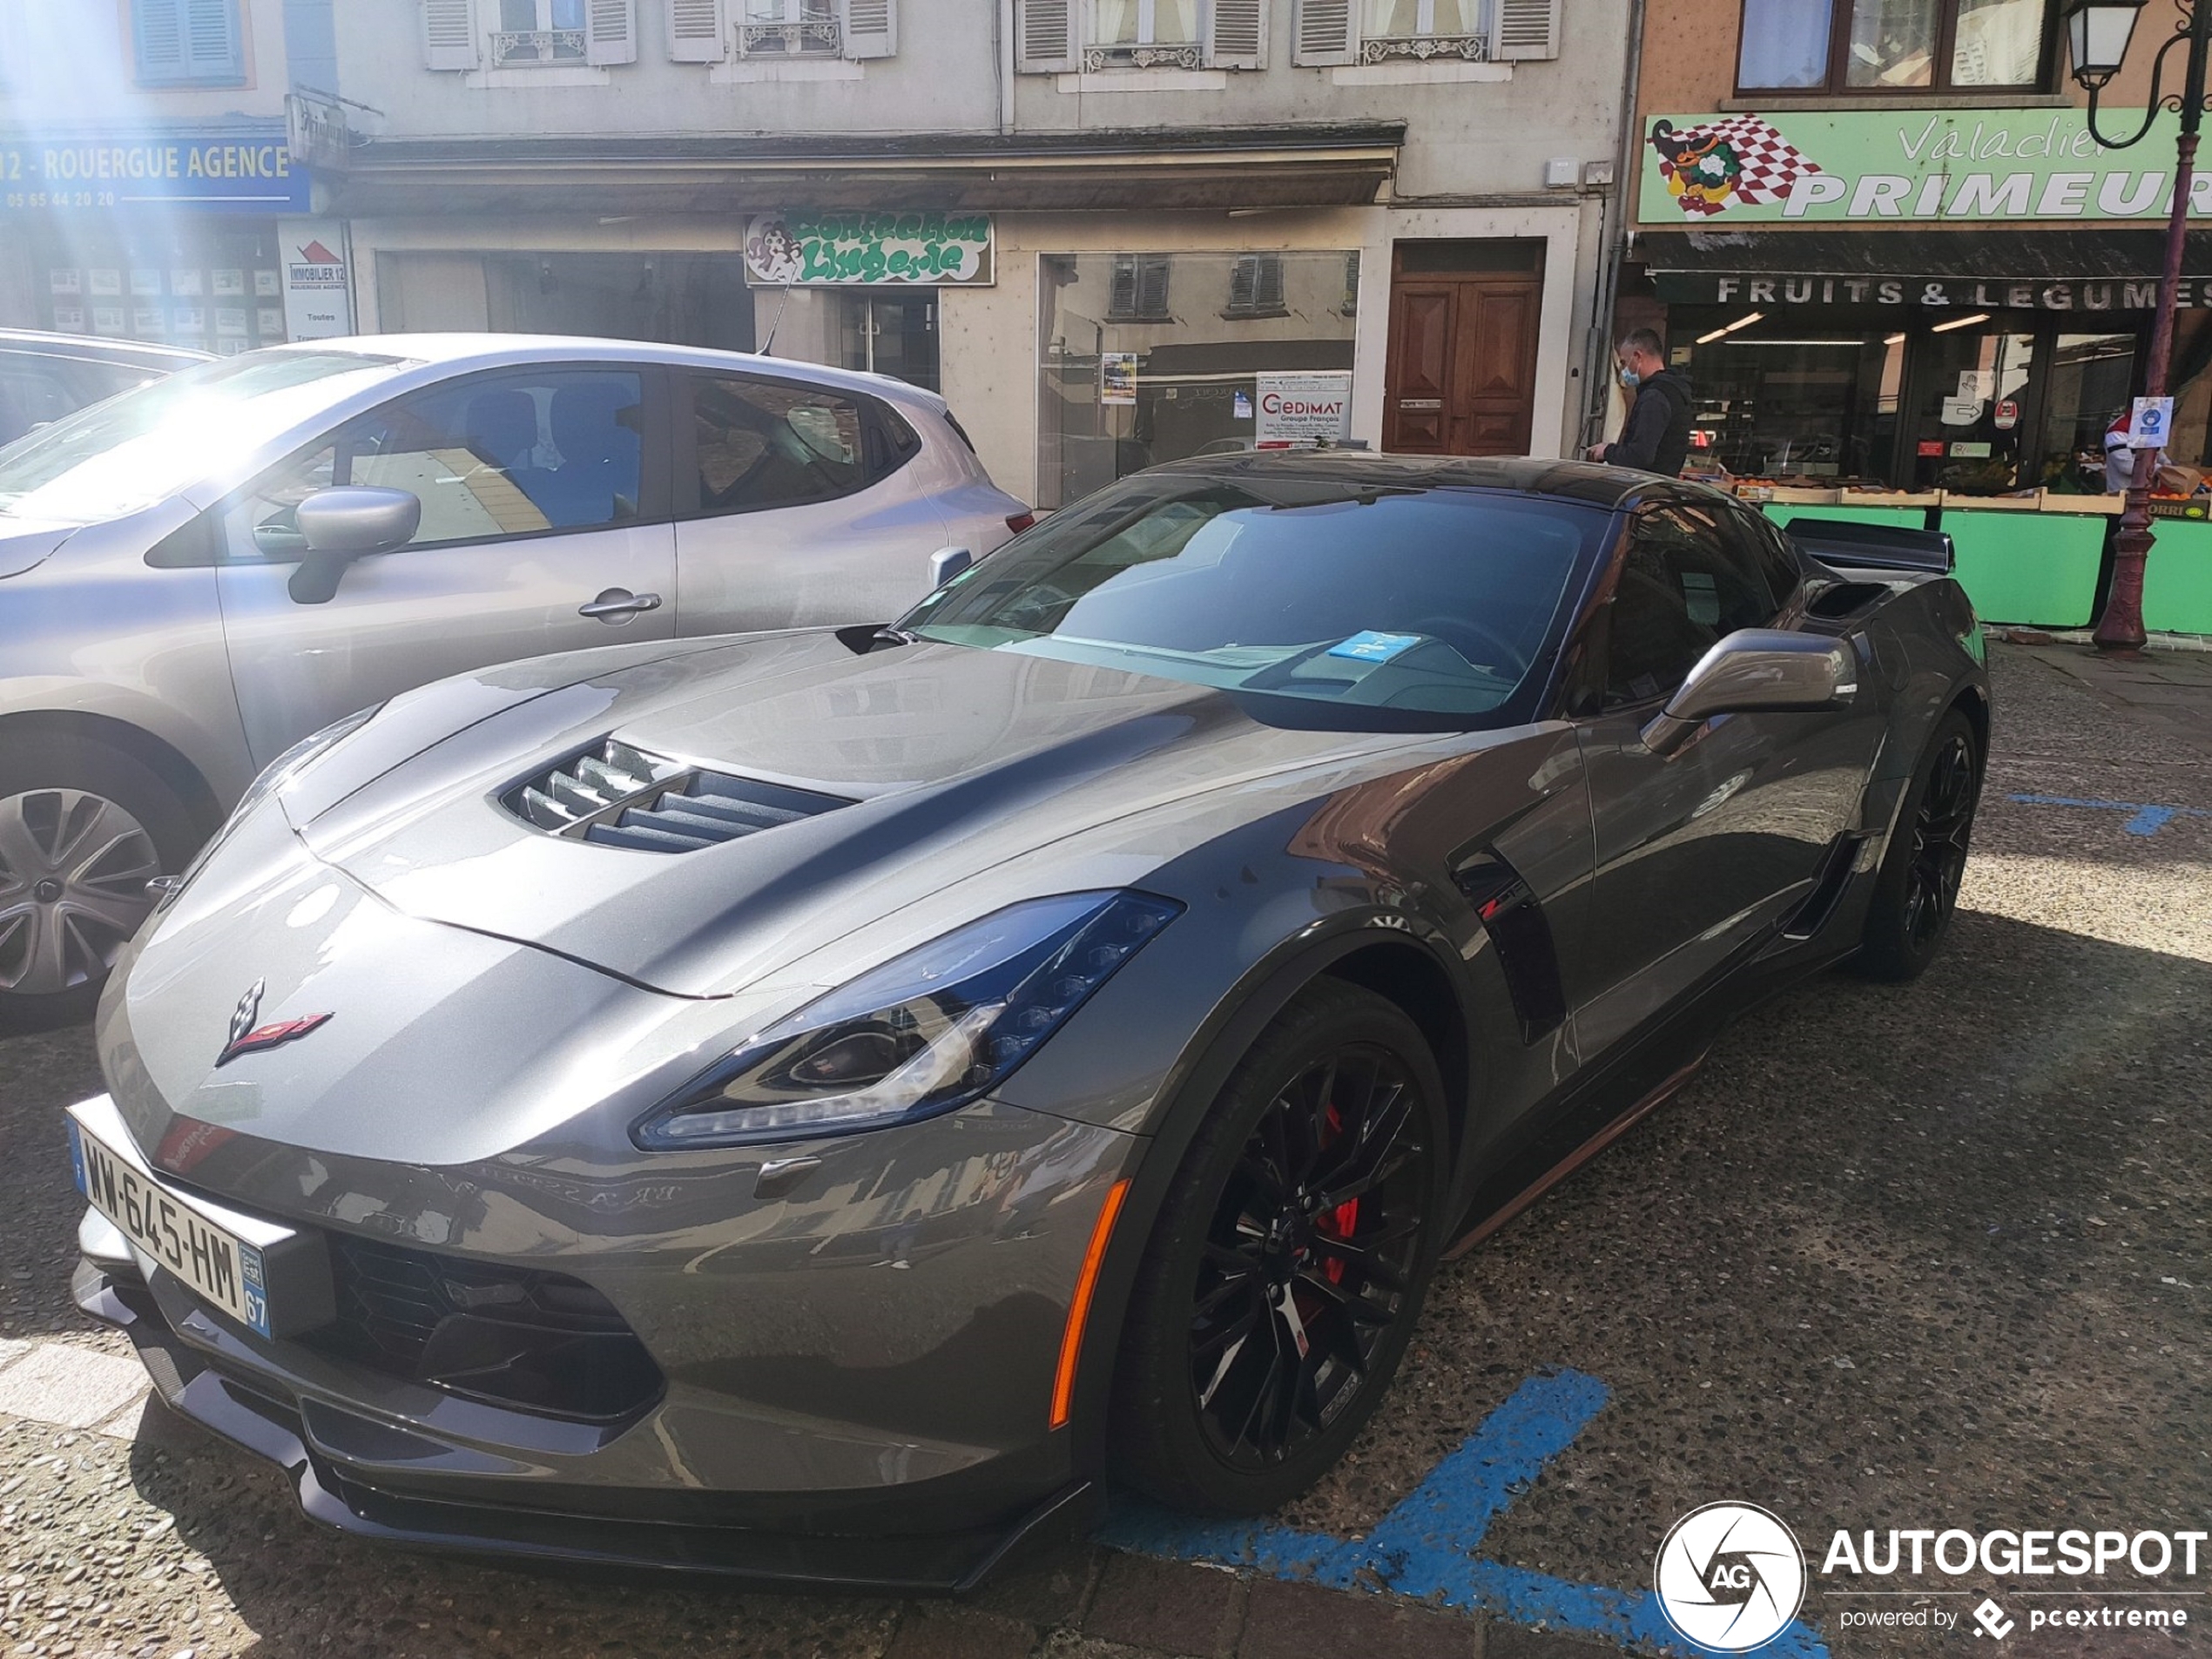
{"x": 924, "y": 1033}
{"x": 272, "y": 777}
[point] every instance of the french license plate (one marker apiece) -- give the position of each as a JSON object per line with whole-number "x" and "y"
{"x": 217, "y": 1264}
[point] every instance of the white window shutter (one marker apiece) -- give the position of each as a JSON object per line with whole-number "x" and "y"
{"x": 1326, "y": 33}
{"x": 1526, "y": 29}
{"x": 449, "y": 34}
{"x": 1237, "y": 34}
{"x": 610, "y": 31}
{"x": 698, "y": 31}
{"x": 1045, "y": 35}
{"x": 868, "y": 28}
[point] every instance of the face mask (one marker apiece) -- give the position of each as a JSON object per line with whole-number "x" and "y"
{"x": 1629, "y": 378}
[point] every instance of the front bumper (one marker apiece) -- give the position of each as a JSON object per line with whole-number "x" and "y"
{"x": 851, "y": 1374}
{"x": 334, "y": 1457}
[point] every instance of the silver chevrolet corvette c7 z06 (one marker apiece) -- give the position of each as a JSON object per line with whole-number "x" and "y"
{"x": 811, "y": 1104}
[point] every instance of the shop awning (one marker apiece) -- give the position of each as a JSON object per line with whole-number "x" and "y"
{"x": 1291, "y": 165}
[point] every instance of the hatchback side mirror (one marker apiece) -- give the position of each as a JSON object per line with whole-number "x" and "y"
{"x": 341, "y": 523}
{"x": 1756, "y": 671}
{"x": 945, "y": 563}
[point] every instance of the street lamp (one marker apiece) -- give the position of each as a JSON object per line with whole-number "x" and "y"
{"x": 2097, "y": 33}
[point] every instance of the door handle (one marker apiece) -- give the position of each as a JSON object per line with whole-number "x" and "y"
{"x": 617, "y": 602}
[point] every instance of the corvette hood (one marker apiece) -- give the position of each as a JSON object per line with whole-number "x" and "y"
{"x": 940, "y": 762}
{"x": 27, "y": 543}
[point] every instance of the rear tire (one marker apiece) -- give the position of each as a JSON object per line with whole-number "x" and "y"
{"x": 82, "y": 827}
{"x": 1916, "y": 887}
{"x": 1287, "y": 1270}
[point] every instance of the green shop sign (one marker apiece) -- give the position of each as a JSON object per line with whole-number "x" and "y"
{"x": 809, "y": 250}
{"x": 1905, "y": 165}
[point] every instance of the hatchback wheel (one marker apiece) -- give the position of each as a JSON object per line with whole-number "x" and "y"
{"x": 1287, "y": 1271}
{"x": 1918, "y": 887}
{"x": 83, "y": 828}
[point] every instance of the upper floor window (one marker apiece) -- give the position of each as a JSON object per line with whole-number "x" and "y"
{"x": 1423, "y": 28}
{"x": 1377, "y": 32}
{"x": 538, "y": 31}
{"x": 1142, "y": 33}
{"x": 529, "y": 34}
{"x": 188, "y": 43}
{"x": 787, "y": 28}
{"x": 1880, "y": 46}
{"x": 1060, "y": 35}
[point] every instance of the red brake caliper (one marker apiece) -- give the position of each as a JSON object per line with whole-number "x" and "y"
{"x": 1339, "y": 1221}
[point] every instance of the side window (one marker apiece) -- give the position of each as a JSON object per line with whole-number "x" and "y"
{"x": 767, "y": 443}
{"x": 1769, "y": 554}
{"x": 1681, "y": 588}
{"x": 31, "y": 397}
{"x": 514, "y": 455}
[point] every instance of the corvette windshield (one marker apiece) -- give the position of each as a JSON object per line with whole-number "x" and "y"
{"x": 133, "y": 450}
{"x": 1420, "y": 599}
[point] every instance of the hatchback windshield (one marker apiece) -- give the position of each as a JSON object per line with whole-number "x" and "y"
{"x": 131, "y": 451}
{"x": 1421, "y": 600}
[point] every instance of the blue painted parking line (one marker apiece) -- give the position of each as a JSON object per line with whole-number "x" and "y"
{"x": 1426, "y": 1547}
{"x": 2143, "y": 820}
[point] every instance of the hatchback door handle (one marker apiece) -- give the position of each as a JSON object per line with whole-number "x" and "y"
{"x": 617, "y": 603}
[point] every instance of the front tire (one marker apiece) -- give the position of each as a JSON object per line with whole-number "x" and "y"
{"x": 1916, "y": 887}
{"x": 1282, "y": 1280}
{"x": 83, "y": 828}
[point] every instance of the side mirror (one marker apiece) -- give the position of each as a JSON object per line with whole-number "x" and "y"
{"x": 341, "y": 523}
{"x": 1756, "y": 671}
{"x": 945, "y": 563}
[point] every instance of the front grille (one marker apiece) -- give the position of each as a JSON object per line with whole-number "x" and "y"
{"x": 520, "y": 1336}
{"x": 615, "y": 795}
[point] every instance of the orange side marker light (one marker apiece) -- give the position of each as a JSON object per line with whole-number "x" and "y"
{"x": 1071, "y": 1340}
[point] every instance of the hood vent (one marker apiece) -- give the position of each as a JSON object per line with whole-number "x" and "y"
{"x": 618, "y": 796}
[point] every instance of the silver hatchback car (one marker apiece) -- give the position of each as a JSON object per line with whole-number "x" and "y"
{"x": 197, "y": 575}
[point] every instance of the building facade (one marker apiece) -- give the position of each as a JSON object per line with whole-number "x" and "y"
{"x": 147, "y": 189}
{"x": 1111, "y": 232}
{"x": 1883, "y": 242}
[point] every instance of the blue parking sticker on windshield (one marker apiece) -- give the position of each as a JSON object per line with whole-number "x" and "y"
{"x": 1368, "y": 646}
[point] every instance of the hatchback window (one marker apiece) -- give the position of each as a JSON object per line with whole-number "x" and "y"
{"x": 128, "y": 452}
{"x": 772, "y": 443}
{"x": 517, "y": 455}
{"x": 1404, "y": 607}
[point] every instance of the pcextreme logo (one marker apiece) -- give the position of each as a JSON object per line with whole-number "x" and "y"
{"x": 1730, "y": 1577}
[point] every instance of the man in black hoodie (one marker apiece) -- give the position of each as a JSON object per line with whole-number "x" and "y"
{"x": 1656, "y": 436}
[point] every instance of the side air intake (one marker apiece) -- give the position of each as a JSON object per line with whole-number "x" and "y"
{"x": 615, "y": 795}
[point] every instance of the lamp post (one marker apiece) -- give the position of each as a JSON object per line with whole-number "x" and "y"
{"x": 2097, "y": 34}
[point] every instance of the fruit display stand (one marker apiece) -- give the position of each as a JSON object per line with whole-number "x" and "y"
{"x": 2177, "y": 579}
{"x": 2030, "y": 558}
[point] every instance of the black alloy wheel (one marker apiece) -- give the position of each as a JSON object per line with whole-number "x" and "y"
{"x": 1309, "y": 1256}
{"x": 1287, "y": 1268}
{"x": 1916, "y": 889}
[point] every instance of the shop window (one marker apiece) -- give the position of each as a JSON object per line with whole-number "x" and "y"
{"x": 767, "y": 443}
{"x": 488, "y": 459}
{"x": 1123, "y": 384}
{"x": 188, "y": 43}
{"x": 1139, "y": 290}
{"x": 1256, "y": 287}
{"x": 1683, "y": 587}
{"x": 1852, "y": 47}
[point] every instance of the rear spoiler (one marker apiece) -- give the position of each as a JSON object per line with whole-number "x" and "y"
{"x": 1839, "y": 542}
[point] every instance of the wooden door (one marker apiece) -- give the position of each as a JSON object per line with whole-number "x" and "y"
{"x": 1461, "y": 376}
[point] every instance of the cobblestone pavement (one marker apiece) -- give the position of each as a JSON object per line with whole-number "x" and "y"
{"x": 1929, "y": 1257}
